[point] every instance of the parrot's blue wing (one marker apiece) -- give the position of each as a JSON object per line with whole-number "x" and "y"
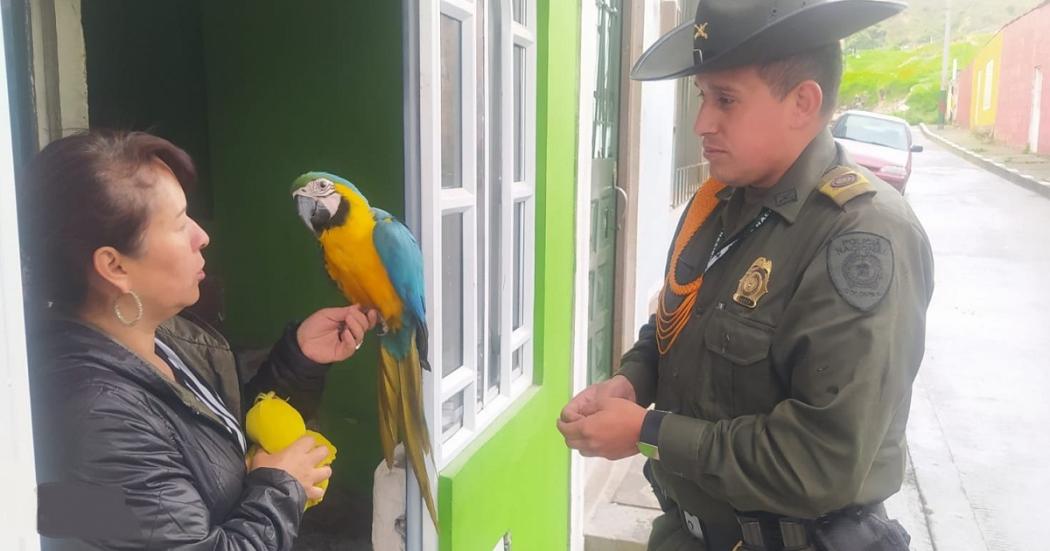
{"x": 403, "y": 261}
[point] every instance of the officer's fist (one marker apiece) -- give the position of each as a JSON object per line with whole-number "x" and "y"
{"x": 583, "y": 404}
{"x": 609, "y": 428}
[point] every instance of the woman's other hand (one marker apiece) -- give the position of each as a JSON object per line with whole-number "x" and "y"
{"x": 301, "y": 460}
{"x": 334, "y": 334}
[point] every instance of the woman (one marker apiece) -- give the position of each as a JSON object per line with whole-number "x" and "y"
{"x": 138, "y": 409}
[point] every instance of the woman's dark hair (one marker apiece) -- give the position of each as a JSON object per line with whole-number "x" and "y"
{"x": 87, "y": 191}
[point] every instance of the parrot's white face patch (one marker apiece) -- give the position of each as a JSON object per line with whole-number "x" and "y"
{"x": 320, "y": 187}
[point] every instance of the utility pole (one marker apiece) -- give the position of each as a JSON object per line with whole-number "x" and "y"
{"x": 944, "y": 62}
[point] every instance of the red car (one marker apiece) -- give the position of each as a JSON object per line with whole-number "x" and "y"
{"x": 879, "y": 143}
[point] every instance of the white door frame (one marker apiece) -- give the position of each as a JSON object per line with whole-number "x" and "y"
{"x": 59, "y": 68}
{"x": 588, "y": 76}
{"x": 18, "y": 511}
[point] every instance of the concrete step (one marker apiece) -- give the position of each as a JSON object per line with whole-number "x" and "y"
{"x": 620, "y": 506}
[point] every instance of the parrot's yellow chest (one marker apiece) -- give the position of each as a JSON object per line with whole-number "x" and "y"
{"x": 354, "y": 264}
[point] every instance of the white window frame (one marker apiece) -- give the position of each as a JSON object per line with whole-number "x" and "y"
{"x": 436, "y": 202}
{"x": 18, "y": 514}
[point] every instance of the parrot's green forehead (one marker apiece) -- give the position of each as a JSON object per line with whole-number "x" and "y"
{"x": 301, "y": 181}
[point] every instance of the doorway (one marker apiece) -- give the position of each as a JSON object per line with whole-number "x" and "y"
{"x": 1037, "y": 103}
{"x": 255, "y": 106}
{"x": 605, "y": 193}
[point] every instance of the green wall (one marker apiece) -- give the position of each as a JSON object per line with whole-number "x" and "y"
{"x": 145, "y": 71}
{"x": 297, "y": 86}
{"x": 516, "y": 477}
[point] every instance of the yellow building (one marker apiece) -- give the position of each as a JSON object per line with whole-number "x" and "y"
{"x": 984, "y": 97}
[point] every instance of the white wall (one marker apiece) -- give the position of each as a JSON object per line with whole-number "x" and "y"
{"x": 656, "y": 220}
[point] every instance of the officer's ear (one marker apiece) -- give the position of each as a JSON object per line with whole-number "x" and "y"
{"x": 806, "y": 99}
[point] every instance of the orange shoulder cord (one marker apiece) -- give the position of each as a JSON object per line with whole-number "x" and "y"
{"x": 669, "y": 324}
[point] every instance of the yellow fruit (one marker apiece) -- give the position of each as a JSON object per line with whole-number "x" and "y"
{"x": 321, "y": 440}
{"x": 273, "y": 423}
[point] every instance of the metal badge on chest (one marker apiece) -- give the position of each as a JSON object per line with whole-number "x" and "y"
{"x": 755, "y": 283}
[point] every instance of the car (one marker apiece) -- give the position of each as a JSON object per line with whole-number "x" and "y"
{"x": 879, "y": 143}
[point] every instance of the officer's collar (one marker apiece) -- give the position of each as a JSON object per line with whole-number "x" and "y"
{"x": 790, "y": 193}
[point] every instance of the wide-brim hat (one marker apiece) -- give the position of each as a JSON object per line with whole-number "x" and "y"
{"x": 734, "y": 33}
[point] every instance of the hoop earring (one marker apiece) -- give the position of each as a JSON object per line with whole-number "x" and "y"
{"x": 138, "y": 306}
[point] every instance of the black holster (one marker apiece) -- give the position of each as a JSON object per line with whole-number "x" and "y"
{"x": 860, "y": 528}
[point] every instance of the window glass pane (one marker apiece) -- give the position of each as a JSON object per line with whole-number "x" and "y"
{"x": 451, "y": 103}
{"x": 494, "y": 374}
{"x": 451, "y": 416}
{"x": 451, "y": 292}
{"x": 519, "y": 264}
{"x": 495, "y": 258}
{"x": 519, "y": 113}
{"x": 519, "y": 11}
{"x": 495, "y": 185}
{"x": 479, "y": 395}
{"x": 516, "y": 365}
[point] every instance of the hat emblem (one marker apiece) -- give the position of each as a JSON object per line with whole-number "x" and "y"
{"x": 700, "y": 31}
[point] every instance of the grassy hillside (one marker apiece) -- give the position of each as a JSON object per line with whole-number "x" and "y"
{"x": 923, "y": 22}
{"x": 895, "y": 67}
{"x": 901, "y": 82}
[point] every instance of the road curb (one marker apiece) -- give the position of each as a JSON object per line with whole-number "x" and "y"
{"x": 1030, "y": 183}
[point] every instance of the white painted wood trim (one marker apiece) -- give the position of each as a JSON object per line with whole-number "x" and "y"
{"x": 421, "y": 533}
{"x": 435, "y": 202}
{"x": 581, "y": 296}
{"x": 18, "y": 510}
{"x": 59, "y": 68}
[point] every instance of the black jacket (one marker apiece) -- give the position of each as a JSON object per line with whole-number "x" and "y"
{"x": 128, "y": 460}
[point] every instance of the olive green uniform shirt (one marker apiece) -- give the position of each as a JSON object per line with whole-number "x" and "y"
{"x": 798, "y": 405}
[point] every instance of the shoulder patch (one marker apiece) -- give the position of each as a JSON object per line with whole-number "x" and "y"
{"x": 861, "y": 267}
{"x": 843, "y": 184}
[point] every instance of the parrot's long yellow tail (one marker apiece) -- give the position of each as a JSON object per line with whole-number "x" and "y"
{"x": 401, "y": 414}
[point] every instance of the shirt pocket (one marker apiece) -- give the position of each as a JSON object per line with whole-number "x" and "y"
{"x": 738, "y": 351}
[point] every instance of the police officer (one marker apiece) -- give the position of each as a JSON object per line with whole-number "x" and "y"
{"x": 791, "y": 322}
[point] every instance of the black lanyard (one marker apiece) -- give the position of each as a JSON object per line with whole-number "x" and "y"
{"x": 719, "y": 251}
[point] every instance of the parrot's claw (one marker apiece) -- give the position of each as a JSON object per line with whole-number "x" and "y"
{"x": 383, "y": 328}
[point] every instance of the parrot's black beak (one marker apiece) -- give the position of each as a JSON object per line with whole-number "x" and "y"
{"x": 312, "y": 212}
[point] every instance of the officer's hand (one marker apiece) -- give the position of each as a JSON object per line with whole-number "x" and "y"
{"x": 584, "y": 402}
{"x": 609, "y": 429}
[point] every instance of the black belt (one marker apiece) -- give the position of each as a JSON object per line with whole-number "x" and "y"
{"x": 771, "y": 532}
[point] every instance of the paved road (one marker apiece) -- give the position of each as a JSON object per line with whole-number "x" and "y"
{"x": 980, "y": 430}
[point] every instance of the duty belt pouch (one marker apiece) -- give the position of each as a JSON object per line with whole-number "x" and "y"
{"x": 860, "y": 530}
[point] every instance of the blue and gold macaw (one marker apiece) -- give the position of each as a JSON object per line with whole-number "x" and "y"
{"x": 376, "y": 263}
